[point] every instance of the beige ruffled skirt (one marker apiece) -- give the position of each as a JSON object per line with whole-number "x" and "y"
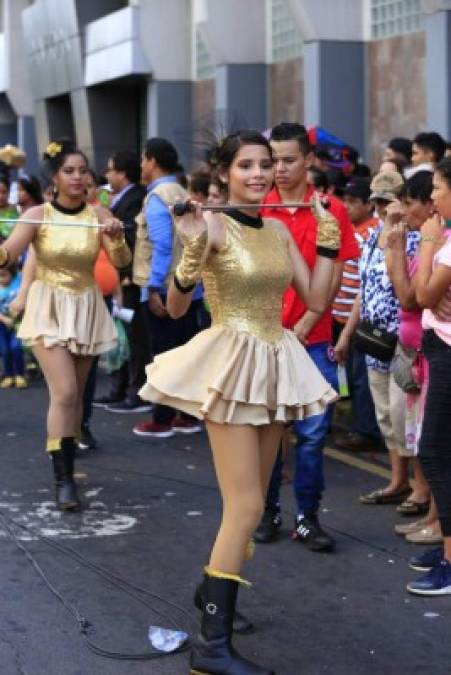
{"x": 233, "y": 377}
{"x": 78, "y": 321}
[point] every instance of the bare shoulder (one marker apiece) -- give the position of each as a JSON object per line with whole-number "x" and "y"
{"x": 216, "y": 227}
{"x": 33, "y": 213}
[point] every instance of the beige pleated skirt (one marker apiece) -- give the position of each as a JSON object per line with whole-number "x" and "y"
{"x": 233, "y": 377}
{"x": 78, "y": 321}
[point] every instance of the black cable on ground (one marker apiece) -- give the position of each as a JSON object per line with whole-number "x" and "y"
{"x": 84, "y": 625}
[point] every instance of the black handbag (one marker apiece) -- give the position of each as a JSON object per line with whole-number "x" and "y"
{"x": 369, "y": 338}
{"x": 374, "y": 341}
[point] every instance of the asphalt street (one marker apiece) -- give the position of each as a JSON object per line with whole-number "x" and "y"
{"x": 132, "y": 557}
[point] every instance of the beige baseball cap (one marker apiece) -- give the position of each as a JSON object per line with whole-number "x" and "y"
{"x": 386, "y": 186}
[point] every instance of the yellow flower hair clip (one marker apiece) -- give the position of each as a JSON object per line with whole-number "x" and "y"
{"x": 53, "y": 149}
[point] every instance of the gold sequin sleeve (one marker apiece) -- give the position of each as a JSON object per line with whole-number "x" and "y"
{"x": 189, "y": 269}
{"x": 117, "y": 251}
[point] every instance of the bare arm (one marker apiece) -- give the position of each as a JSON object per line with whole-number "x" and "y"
{"x": 23, "y": 234}
{"x": 431, "y": 285}
{"x": 313, "y": 287}
{"x": 342, "y": 346}
{"x": 17, "y": 306}
{"x": 397, "y": 268}
{"x": 309, "y": 320}
{"x": 113, "y": 238}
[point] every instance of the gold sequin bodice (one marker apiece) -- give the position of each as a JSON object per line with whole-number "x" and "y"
{"x": 66, "y": 255}
{"x": 245, "y": 280}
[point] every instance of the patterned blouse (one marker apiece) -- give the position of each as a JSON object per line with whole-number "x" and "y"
{"x": 379, "y": 303}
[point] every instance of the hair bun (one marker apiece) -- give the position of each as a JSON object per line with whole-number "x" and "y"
{"x": 62, "y": 146}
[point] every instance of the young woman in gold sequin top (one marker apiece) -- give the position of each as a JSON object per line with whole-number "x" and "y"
{"x": 65, "y": 321}
{"x": 245, "y": 376}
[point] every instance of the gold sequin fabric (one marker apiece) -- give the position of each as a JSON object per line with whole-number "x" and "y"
{"x": 64, "y": 306}
{"x": 246, "y": 368}
{"x": 66, "y": 255}
{"x": 245, "y": 281}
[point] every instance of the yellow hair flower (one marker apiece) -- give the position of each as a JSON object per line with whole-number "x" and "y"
{"x": 53, "y": 149}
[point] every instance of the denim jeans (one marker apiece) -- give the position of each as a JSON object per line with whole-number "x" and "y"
{"x": 308, "y": 481}
{"x": 11, "y": 352}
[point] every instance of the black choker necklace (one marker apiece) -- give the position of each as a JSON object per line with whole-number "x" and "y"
{"x": 67, "y": 210}
{"x": 244, "y": 219}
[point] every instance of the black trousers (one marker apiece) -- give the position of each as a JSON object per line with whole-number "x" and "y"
{"x": 166, "y": 333}
{"x": 435, "y": 443}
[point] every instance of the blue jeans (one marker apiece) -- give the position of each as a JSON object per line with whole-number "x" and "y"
{"x": 311, "y": 433}
{"x": 11, "y": 351}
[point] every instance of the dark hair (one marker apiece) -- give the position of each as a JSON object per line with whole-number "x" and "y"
{"x": 226, "y": 152}
{"x": 32, "y": 186}
{"x": 320, "y": 179}
{"x": 182, "y": 178}
{"x": 337, "y": 180}
{"x": 57, "y": 152}
{"x": 444, "y": 169}
{"x": 93, "y": 175}
{"x": 5, "y": 180}
{"x": 292, "y": 131}
{"x": 222, "y": 187}
{"x": 163, "y": 152}
{"x": 200, "y": 182}
{"x": 128, "y": 162}
{"x": 433, "y": 142}
{"x": 361, "y": 171}
{"x": 419, "y": 186}
{"x": 402, "y": 146}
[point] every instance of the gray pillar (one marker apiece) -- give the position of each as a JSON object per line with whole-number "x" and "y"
{"x": 26, "y": 139}
{"x": 438, "y": 72}
{"x": 169, "y": 114}
{"x": 241, "y": 90}
{"x": 335, "y": 89}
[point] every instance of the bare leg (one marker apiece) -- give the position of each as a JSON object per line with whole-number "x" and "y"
{"x": 58, "y": 367}
{"x": 269, "y": 438}
{"x": 236, "y": 455}
{"x": 82, "y": 367}
{"x": 421, "y": 490}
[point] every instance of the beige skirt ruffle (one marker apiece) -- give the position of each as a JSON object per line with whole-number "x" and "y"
{"x": 78, "y": 321}
{"x": 233, "y": 377}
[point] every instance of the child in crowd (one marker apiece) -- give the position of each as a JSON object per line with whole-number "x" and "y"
{"x": 10, "y": 346}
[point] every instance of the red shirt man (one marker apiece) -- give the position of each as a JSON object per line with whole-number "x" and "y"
{"x": 303, "y": 227}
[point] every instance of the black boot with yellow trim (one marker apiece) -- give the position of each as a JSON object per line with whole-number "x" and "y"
{"x": 241, "y": 624}
{"x": 212, "y": 652}
{"x": 62, "y": 452}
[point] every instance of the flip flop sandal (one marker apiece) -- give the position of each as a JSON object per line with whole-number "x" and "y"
{"x": 381, "y": 497}
{"x": 410, "y": 507}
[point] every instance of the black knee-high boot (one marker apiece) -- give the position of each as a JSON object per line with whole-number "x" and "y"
{"x": 212, "y": 652}
{"x": 63, "y": 469}
{"x": 241, "y": 624}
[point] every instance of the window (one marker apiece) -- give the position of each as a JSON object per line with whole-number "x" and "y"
{"x": 205, "y": 68}
{"x": 395, "y": 17}
{"x": 284, "y": 39}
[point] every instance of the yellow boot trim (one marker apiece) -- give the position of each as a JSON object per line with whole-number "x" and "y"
{"x": 224, "y": 575}
{"x": 53, "y": 444}
{"x": 250, "y": 550}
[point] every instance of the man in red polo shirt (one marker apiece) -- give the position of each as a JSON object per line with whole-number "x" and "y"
{"x": 293, "y": 155}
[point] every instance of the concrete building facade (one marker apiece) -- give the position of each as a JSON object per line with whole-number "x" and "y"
{"x": 112, "y": 72}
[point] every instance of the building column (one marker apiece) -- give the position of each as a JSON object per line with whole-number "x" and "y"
{"x": 241, "y": 90}
{"x": 335, "y": 94}
{"x": 438, "y": 72}
{"x": 169, "y": 114}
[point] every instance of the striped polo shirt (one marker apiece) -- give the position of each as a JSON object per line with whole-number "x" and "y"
{"x": 350, "y": 283}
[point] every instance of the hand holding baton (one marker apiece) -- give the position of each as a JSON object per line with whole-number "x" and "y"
{"x": 181, "y": 208}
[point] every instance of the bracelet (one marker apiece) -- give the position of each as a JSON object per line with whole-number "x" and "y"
{"x": 325, "y": 252}
{"x": 183, "y": 289}
{"x": 429, "y": 238}
{"x": 4, "y": 256}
